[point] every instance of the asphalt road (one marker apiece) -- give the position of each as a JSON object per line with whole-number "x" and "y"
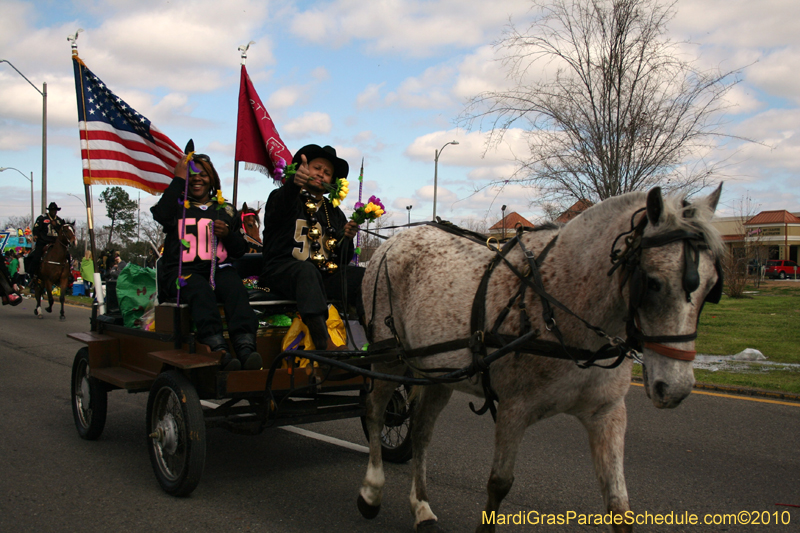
{"x": 713, "y": 454}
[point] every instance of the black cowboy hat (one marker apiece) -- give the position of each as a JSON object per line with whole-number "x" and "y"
{"x": 314, "y": 151}
{"x": 53, "y": 205}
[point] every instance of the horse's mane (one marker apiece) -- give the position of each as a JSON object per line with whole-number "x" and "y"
{"x": 678, "y": 214}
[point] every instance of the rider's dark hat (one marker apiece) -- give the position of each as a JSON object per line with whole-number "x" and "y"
{"x": 53, "y": 205}
{"x": 314, "y": 151}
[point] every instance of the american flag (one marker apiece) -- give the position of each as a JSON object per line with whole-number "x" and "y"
{"x": 119, "y": 146}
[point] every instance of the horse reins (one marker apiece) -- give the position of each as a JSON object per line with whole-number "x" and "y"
{"x": 616, "y": 348}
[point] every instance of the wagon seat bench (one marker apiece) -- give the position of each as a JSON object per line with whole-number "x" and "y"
{"x": 131, "y": 359}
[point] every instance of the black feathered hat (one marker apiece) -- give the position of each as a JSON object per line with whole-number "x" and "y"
{"x": 314, "y": 151}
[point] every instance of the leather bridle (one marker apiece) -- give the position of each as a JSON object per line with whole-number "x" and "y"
{"x": 629, "y": 258}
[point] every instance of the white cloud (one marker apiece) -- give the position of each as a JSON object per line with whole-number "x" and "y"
{"x": 431, "y": 90}
{"x": 284, "y": 97}
{"x": 471, "y": 150}
{"x": 310, "y": 123}
{"x": 479, "y": 72}
{"x": 370, "y": 97}
{"x": 406, "y": 27}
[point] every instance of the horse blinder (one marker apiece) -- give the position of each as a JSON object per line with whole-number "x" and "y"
{"x": 716, "y": 291}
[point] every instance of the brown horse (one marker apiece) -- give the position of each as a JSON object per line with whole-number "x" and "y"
{"x": 252, "y": 228}
{"x": 54, "y": 269}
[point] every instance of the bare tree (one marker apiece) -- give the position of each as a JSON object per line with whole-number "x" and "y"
{"x": 151, "y": 231}
{"x": 743, "y": 263}
{"x": 478, "y": 225}
{"x": 20, "y": 222}
{"x": 620, "y": 112}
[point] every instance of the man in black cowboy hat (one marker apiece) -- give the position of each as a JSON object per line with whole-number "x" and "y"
{"x": 307, "y": 240}
{"x": 45, "y": 231}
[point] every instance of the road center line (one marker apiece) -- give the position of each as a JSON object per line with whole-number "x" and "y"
{"x": 326, "y": 438}
{"x": 777, "y": 402}
{"x": 309, "y": 434}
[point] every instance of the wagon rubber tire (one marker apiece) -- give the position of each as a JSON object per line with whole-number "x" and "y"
{"x": 89, "y": 398}
{"x": 396, "y": 432}
{"x": 176, "y": 433}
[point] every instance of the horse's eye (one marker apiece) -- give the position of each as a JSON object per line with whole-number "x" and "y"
{"x": 653, "y": 284}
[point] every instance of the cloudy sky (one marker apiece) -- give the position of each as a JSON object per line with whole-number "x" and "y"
{"x": 383, "y": 80}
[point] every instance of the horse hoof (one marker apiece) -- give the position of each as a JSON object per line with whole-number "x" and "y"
{"x": 428, "y": 526}
{"x": 367, "y": 511}
{"x": 62, "y": 317}
{"x": 40, "y": 317}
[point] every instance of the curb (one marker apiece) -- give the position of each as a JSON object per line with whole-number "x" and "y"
{"x": 741, "y": 391}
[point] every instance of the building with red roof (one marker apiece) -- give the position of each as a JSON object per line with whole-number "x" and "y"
{"x": 506, "y": 227}
{"x": 772, "y": 234}
{"x": 576, "y": 209}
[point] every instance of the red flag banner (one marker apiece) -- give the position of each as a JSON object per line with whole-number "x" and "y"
{"x": 258, "y": 144}
{"x": 118, "y": 145}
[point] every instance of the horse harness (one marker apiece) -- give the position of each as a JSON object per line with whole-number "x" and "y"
{"x": 58, "y": 241}
{"x": 616, "y": 348}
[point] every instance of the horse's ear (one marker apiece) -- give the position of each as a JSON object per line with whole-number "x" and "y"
{"x": 244, "y": 206}
{"x": 655, "y": 205}
{"x": 713, "y": 199}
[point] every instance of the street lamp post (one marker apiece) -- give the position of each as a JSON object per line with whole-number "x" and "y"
{"x": 503, "y": 209}
{"x": 408, "y": 207}
{"x": 436, "y": 174}
{"x": 33, "y": 218}
{"x": 43, "y": 92}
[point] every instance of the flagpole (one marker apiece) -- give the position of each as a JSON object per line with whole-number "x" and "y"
{"x": 235, "y": 182}
{"x": 360, "y": 187}
{"x": 243, "y": 49}
{"x": 98, "y": 281}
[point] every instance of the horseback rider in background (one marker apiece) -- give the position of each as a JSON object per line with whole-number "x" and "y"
{"x": 45, "y": 231}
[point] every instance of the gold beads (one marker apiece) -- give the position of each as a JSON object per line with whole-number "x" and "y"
{"x": 330, "y": 244}
{"x": 331, "y": 267}
{"x": 318, "y": 258}
{"x": 314, "y": 233}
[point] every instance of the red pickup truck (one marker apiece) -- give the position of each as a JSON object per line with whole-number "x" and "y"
{"x": 781, "y": 269}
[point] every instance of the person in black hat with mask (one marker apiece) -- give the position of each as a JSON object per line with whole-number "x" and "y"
{"x": 45, "y": 231}
{"x": 207, "y": 216}
{"x": 304, "y": 234}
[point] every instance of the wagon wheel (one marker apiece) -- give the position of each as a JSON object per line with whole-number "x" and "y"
{"x": 89, "y": 398}
{"x": 176, "y": 433}
{"x": 396, "y": 432}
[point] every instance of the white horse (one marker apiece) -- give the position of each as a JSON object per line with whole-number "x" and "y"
{"x": 667, "y": 267}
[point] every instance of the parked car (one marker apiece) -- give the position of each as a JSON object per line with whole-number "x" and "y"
{"x": 781, "y": 268}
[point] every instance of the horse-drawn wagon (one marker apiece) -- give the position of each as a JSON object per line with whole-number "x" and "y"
{"x": 188, "y": 392}
{"x": 645, "y": 304}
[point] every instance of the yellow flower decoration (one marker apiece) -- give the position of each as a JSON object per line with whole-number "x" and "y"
{"x": 186, "y": 204}
{"x": 339, "y": 192}
{"x": 220, "y": 199}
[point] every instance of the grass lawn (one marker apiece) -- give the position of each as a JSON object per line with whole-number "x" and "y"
{"x": 768, "y": 321}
